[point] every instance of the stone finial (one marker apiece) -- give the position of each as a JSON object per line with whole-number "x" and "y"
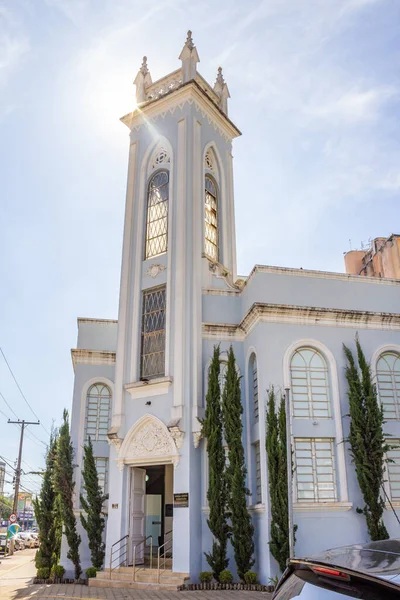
{"x": 221, "y": 89}
{"x": 142, "y": 82}
{"x": 144, "y": 68}
{"x": 189, "y": 58}
{"x": 189, "y": 40}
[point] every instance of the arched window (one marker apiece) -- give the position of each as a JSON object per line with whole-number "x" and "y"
{"x": 388, "y": 377}
{"x": 310, "y": 384}
{"x": 253, "y": 387}
{"x": 157, "y": 214}
{"x": 211, "y": 220}
{"x": 98, "y": 404}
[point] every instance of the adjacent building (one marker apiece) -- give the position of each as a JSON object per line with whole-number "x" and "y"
{"x": 141, "y": 382}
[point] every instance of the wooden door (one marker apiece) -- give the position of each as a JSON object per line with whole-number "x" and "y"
{"x": 137, "y": 513}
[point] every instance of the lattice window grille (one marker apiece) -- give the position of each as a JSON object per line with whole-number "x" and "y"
{"x": 211, "y": 220}
{"x": 257, "y": 454}
{"x": 393, "y": 470}
{"x": 102, "y": 473}
{"x": 315, "y": 470}
{"x": 388, "y": 379}
{"x": 310, "y": 385}
{"x": 157, "y": 215}
{"x": 153, "y": 333}
{"x": 97, "y": 412}
{"x": 209, "y": 161}
{"x": 255, "y": 389}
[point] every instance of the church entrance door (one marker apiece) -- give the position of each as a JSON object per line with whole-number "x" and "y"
{"x": 137, "y": 513}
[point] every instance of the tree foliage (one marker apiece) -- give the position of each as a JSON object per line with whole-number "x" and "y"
{"x": 276, "y": 446}
{"x": 367, "y": 439}
{"x": 242, "y": 526}
{"x": 217, "y": 493}
{"x": 6, "y": 507}
{"x": 46, "y": 513}
{"x": 64, "y": 485}
{"x": 92, "y": 503}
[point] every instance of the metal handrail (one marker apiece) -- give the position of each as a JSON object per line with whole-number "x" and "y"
{"x": 163, "y": 557}
{"x": 143, "y": 541}
{"x": 124, "y": 554}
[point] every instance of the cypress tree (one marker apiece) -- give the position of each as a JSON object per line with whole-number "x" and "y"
{"x": 45, "y": 507}
{"x": 367, "y": 440}
{"x": 64, "y": 485}
{"x": 92, "y": 504}
{"x": 277, "y": 473}
{"x": 217, "y": 486}
{"x": 242, "y": 526}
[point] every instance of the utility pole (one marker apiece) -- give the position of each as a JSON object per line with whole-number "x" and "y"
{"x": 23, "y": 424}
{"x": 289, "y": 472}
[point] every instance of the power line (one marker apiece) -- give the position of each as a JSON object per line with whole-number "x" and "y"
{"x": 29, "y": 433}
{"x": 22, "y": 393}
{"x": 12, "y": 410}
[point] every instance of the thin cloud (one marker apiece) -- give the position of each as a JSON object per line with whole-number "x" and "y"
{"x": 14, "y": 44}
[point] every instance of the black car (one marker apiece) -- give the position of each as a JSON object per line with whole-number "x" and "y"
{"x": 368, "y": 571}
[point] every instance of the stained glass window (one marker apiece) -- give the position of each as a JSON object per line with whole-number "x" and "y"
{"x": 157, "y": 215}
{"x": 388, "y": 376}
{"x": 98, "y": 412}
{"x": 153, "y": 333}
{"x": 310, "y": 384}
{"x": 315, "y": 470}
{"x": 211, "y": 220}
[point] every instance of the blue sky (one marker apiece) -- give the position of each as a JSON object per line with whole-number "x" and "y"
{"x": 315, "y": 91}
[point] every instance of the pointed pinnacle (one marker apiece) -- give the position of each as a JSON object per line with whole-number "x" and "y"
{"x": 189, "y": 40}
{"x": 144, "y": 69}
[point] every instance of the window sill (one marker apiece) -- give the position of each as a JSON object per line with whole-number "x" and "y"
{"x": 322, "y": 506}
{"x": 146, "y": 389}
{"x": 394, "y": 503}
{"x": 257, "y": 508}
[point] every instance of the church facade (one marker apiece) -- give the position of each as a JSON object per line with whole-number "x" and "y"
{"x": 140, "y": 382}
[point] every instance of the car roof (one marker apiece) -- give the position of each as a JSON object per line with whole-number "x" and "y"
{"x": 379, "y": 559}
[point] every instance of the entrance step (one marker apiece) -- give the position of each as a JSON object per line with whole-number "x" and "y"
{"x": 144, "y": 579}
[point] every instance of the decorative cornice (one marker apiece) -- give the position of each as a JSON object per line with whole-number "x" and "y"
{"x": 319, "y": 274}
{"x": 301, "y": 315}
{"x": 192, "y": 93}
{"x": 104, "y": 322}
{"x": 92, "y": 357}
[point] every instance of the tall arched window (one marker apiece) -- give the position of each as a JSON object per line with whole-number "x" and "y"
{"x": 388, "y": 377}
{"x": 310, "y": 384}
{"x": 157, "y": 214}
{"x": 211, "y": 220}
{"x": 98, "y": 402}
{"x": 253, "y": 387}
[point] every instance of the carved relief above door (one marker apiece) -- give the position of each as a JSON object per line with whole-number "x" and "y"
{"x": 148, "y": 442}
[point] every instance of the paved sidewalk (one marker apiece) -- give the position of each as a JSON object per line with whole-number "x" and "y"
{"x": 16, "y": 573}
{"x": 72, "y": 591}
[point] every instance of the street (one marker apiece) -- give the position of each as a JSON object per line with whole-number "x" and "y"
{"x": 16, "y": 573}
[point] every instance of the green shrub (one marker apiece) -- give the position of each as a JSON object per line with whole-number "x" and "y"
{"x": 43, "y": 573}
{"x": 91, "y": 572}
{"x": 205, "y": 576}
{"x": 225, "y": 576}
{"x": 250, "y": 578}
{"x": 57, "y": 571}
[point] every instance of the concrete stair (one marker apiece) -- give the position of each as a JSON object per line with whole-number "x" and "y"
{"x": 145, "y": 579}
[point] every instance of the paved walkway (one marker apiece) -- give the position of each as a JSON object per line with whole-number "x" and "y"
{"x": 16, "y": 573}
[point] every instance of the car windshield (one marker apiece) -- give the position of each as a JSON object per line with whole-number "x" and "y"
{"x": 303, "y": 584}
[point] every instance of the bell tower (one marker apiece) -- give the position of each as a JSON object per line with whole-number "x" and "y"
{"x": 179, "y": 232}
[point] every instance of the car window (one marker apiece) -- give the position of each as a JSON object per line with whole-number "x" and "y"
{"x": 303, "y": 585}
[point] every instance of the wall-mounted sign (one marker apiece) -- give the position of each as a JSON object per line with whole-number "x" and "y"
{"x": 169, "y": 510}
{"x": 181, "y": 500}
{"x": 114, "y": 505}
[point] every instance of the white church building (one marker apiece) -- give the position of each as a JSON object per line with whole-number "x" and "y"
{"x": 141, "y": 381}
